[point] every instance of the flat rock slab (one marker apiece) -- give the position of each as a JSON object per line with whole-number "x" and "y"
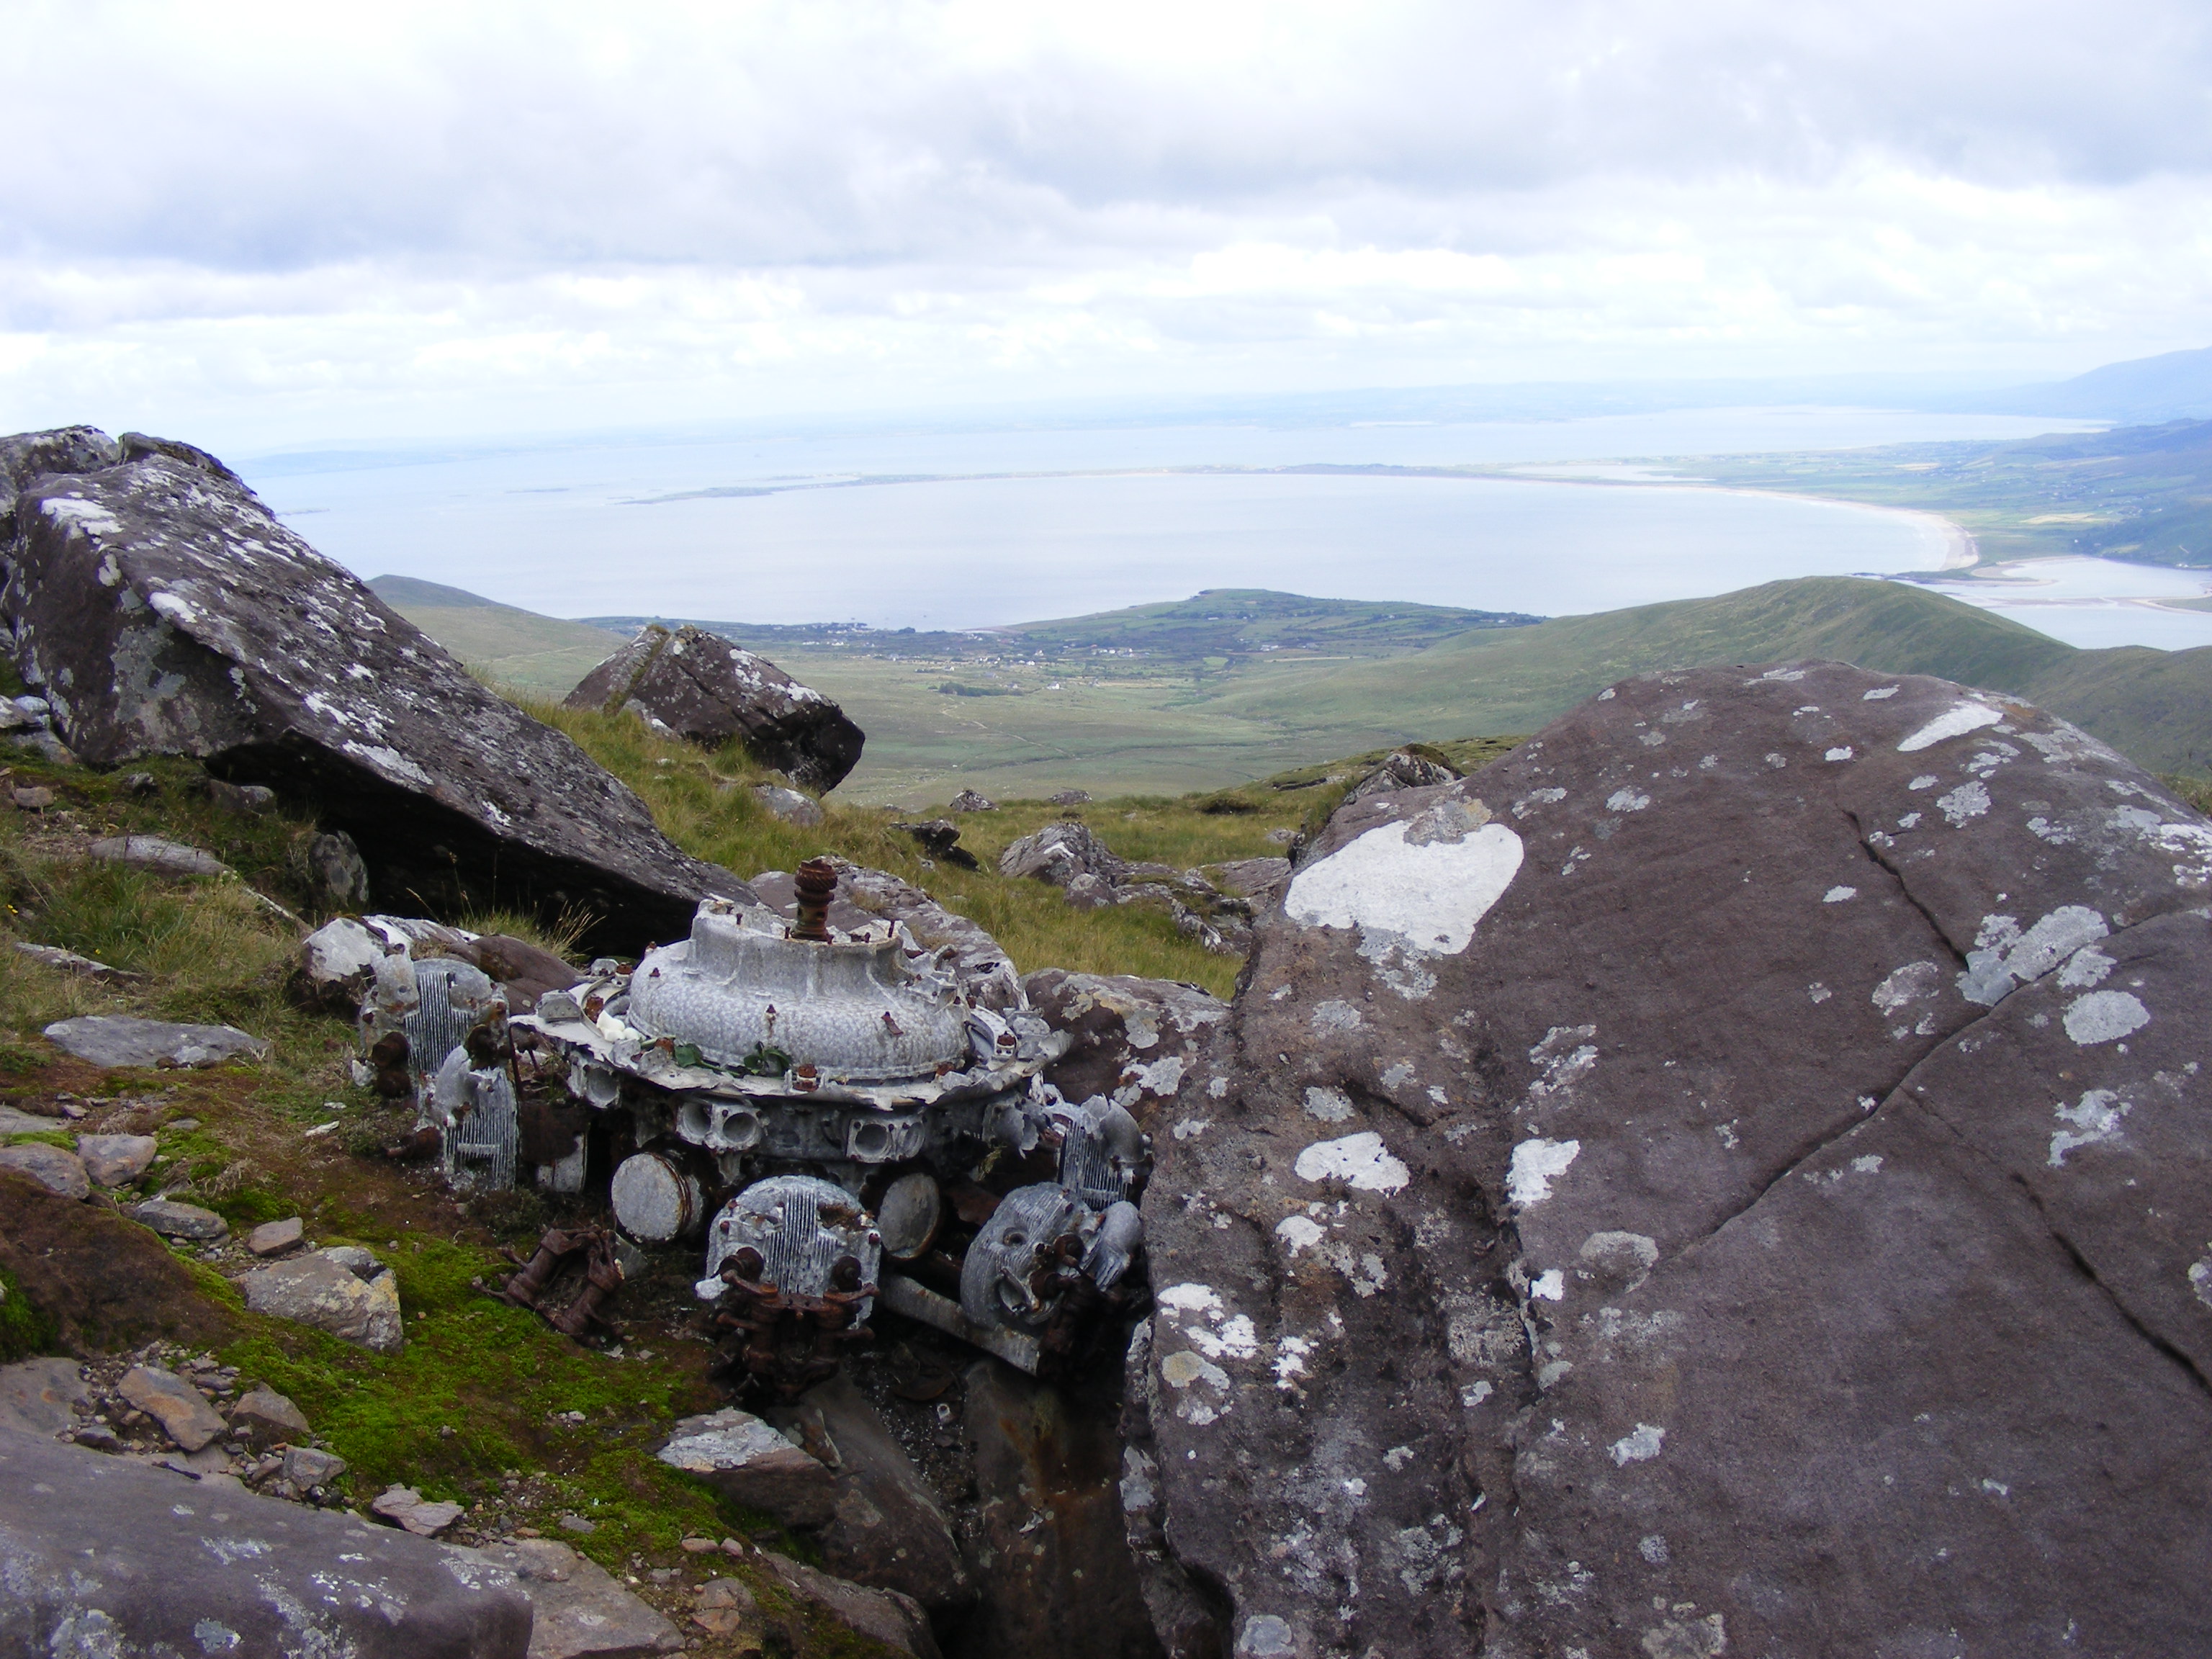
{"x": 69, "y": 962}
{"x": 151, "y": 853}
{"x": 582, "y": 1612}
{"x": 116, "y": 1160}
{"x": 888, "y": 1616}
{"x": 331, "y": 1296}
{"x": 172, "y": 1219}
{"x": 275, "y": 1237}
{"x": 36, "y": 1395}
{"x": 118, "y": 1040}
{"x": 753, "y": 1464}
{"x": 56, "y": 1170}
{"x": 105, "y": 1555}
{"x": 182, "y": 1410}
{"x": 1732, "y": 1176}
{"x": 268, "y": 1416}
{"x": 16, "y": 1122}
{"x": 408, "y": 1509}
{"x": 185, "y": 617}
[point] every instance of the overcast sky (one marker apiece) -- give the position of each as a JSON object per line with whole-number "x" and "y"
{"x": 259, "y": 225}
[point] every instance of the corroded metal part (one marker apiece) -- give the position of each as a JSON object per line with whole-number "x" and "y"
{"x": 1103, "y": 1153}
{"x": 801, "y": 1226}
{"x": 475, "y": 1111}
{"x": 995, "y": 1280}
{"x": 909, "y": 1215}
{"x": 656, "y": 1199}
{"x": 791, "y": 1268}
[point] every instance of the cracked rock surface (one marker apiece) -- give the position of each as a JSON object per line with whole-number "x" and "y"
{"x": 161, "y": 609}
{"x": 1728, "y": 1177}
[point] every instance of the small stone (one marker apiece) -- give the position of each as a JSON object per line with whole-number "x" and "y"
{"x": 404, "y": 1507}
{"x": 98, "y": 1437}
{"x": 116, "y": 1160}
{"x": 267, "y": 1415}
{"x": 182, "y": 1125}
{"x": 56, "y": 1170}
{"x": 307, "y": 1466}
{"x": 328, "y": 1290}
{"x": 275, "y": 1237}
{"x": 174, "y": 1220}
{"x": 576, "y": 1523}
{"x": 700, "y": 1545}
{"x": 140, "y": 783}
{"x": 179, "y": 1407}
{"x": 35, "y": 799}
{"x": 152, "y": 853}
{"x": 788, "y": 805}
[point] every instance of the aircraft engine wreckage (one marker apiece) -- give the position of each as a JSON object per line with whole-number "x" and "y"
{"x": 875, "y": 1135}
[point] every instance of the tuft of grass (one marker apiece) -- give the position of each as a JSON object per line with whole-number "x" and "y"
{"x": 2196, "y": 791}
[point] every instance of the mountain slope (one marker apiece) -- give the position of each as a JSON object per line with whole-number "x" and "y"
{"x": 2174, "y": 385}
{"x": 505, "y": 643}
{"x": 2156, "y": 706}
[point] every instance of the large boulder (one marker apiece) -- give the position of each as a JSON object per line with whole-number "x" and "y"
{"x": 1062, "y": 851}
{"x": 698, "y": 686}
{"x": 161, "y": 609}
{"x": 107, "y": 1555}
{"x": 342, "y": 1290}
{"x": 1140, "y": 1042}
{"x": 1732, "y": 1176}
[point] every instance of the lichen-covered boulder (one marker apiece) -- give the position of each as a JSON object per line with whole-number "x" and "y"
{"x": 105, "y": 1555}
{"x": 698, "y": 686}
{"x": 1061, "y": 852}
{"x": 1141, "y": 1043}
{"x": 344, "y": 1290}
{"x": 1732, "y": 1176}
{"x": 162, "y": 609}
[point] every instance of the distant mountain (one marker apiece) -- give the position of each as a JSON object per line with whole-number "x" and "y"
{"x": 2155, "y": 706}
{"x": 504, "y": 643}
{"x": 2175, "y": 385}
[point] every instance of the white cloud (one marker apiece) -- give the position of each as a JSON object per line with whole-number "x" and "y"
{"x": 215, "y": 216}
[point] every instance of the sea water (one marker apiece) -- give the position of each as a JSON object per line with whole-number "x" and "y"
{"x": 1018, "y": 523}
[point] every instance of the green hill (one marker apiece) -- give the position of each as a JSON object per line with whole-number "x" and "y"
{"x": 543, "y": 655}
{"x": 2156, "y": 706}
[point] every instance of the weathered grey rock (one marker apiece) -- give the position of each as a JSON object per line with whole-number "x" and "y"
{"x": 35, "y": 797}
{"x": 172, "y": 1219}
{"x": 940, "y": 838}
{"x": 1261, "y": 880}
{"x": 752, "y": 1463}
{"x": 56, "y": 1170}
{"x": 1061, "y": 852}
{"x": 1051, "y": 1557}
{"x": 335, "y": 964}
{"x": 896, "y": 1620}
{"x": 120, "y": 1039}
{"x": 1088, "y": 892}
{"x": 1141, "y": 1043}
{"x": 338, "y": 870}
{"x": 1069, "y": 797}
{"x": 309, "y": 1466}
{"x": 1402, "y": 770}
{"x": 725, "y": 1606}
{"x": 404, "y": 1507}
{"x": 275, "y": 1237}
{"x": 581, "y": 1612}
{"x": 152, "y": 853}
{"x": 69, "y": 962}
{"x": 885, "y": 1527}
{"x": 1801, "y": 1060}
{"x": 117, "y": 1160}
{"x": 866, "y": 895}
{"x": 163, "y": 609}
{"x": 321, "y": 1290}
{"x": 969, "y": 801}
{"x": 103, "y": 1554}
{"x": 36, "y": 1395}
{"x": 15, "y": 1121}
{"x": 788, "y": 805}
{"x": 698, "y": 686}
{"x": 181, "y": 1409}
{"x": 268, "y": 1416}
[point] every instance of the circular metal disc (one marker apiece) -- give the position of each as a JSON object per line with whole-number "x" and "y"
{"x": 909, "y": 1215}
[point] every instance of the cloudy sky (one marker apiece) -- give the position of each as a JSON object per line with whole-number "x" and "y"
{"x": 259, "y": 225}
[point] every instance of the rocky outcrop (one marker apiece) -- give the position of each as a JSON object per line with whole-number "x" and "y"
{"x": 1728, "y": 1177}
{"x": 579, "y": 1611}
{"x": 1140, "y": 1042}
{"x": 161, "y": 609}
{"x": 1071, "y": 856}
{"x": 120, "y": 1039}
{"x": 1060, "y": 852}
{"x": 105, "y": 1555}
{"x": 698, "y": 686}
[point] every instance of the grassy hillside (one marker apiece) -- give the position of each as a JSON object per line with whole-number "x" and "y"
{"x": 2154, "y": 705}
{"x": 503, "y": 642}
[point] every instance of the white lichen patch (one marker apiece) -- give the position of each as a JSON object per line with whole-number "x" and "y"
{"x": 2096, "y": 1117}
{"x": 1878, "y": 694}
{"x": 1202, "y": 1299}
{"x": 2200, "y": 1278}
{"x": 1299, "y": 1232}
{"x": 1839, "y": 894}
{"x": 1335, "y": 1015}
{"x": 2004, "y": 956}
{"x": 1627, "y": 800}
{"x": 1965, "y": 803}
{"x": 1954, "y": 722}
{"x": 1430, "y": 896}
{"x": 1906, "y": 985}
{"x": 1842, "y": 753}
{"x": 1640, "y": 1445}
{"x": 1361, "y": 1162}
{"x": 1289, "y": 1364}
{"x": 1549, "y": 1285}
{"x": 1536, "y": 1165}
{"x": 2105, "y": 1017}
{"x": 2085, "y": 967}
{"x": 1235, "y": 1339}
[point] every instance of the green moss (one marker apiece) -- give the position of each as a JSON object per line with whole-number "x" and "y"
{"x": 24, "y": 1331}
